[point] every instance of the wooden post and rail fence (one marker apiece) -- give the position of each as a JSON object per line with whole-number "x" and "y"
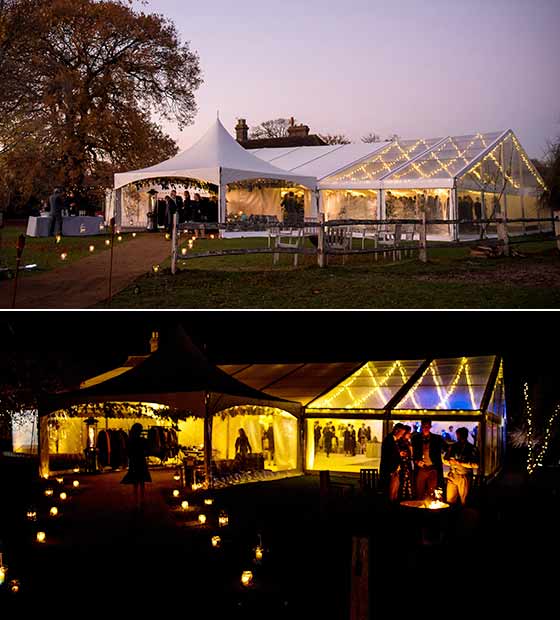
{"x": 395, "y": 237}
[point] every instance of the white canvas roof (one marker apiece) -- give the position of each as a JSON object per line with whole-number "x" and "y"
{"x": 318, "y": 161}
{"x": 216, "y": 158}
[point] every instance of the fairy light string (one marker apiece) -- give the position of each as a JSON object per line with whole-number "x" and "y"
{"x": 535, "y": 455}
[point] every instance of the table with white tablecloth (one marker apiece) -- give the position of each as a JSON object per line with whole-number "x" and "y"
{"x": 72, "y": 226}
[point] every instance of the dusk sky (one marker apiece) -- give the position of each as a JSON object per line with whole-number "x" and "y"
{"x": 418, "y": 69}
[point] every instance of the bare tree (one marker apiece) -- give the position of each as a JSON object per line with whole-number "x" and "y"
{"x": 392, "y": 138}
{"x": 274, "y": 128}
{"x": 371, "y": 137}
{"x": 335, "y": 138}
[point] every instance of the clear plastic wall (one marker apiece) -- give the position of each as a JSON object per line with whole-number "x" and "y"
{"x": 350, "y": 204}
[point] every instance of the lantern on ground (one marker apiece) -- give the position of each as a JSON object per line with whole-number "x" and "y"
{"x": 202, "y": 519}
{"x": 63, "y": 496}
{"x": 119, "y": 238}
{"x": 76, "y": 470}
{"x": 184, "y": 251}
{"x": 31, "y": 515}
{"x": 91, "y": 248}
{"x": 209, "y": 501}
{"x": 53, "y": 512}
{"x": 259, "y": 551}
{"x": 177, "y": 477}
{"x": 58, "y": 238}
{"x": 247, "y": 578}
{"x": 167, "y": 236}
{"x": 75, "y": 483}
{"x": 223, "y": 519}
{"x": 60, "y": 480}
{"x": 134, "y": 234}
{"x": 64, "y": 256}
{"x": 41, "y": 537}
{"x": 3, "y": 573}
{"x": 176, "y": 493}
{"x": 48, "y": 492}
{"x": 107, "y": 242}
{"x": 14, "y": 586}
{"x": 216, "y": 541}
{"x": 184, "y": 504}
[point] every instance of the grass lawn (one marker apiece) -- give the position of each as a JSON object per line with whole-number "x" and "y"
{"x": 45, "y": 252}
{"x": 451, "y": 279}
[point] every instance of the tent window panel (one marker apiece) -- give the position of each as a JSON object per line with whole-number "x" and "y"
{"x": 191, "y": 433}
{"x": 350, "y": 205}
{"x": 332, "y": 446}
{"x": 410, "y": 204}
{"x": 24, "y": 432}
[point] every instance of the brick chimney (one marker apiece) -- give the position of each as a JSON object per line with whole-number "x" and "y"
{"x": 242, "y": 130}
{"x": 154, "y": 342}
{"x": 297, "y": 131}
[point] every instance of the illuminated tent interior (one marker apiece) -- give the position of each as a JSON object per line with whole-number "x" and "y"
{"x": 453, "y": 392}
{"x": 176, "y": 386}
{"x": 296, "y": 400}
{"x": 465, "y": 177}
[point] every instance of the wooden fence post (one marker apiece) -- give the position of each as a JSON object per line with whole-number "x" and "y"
{"x": 502, "y": 233}
{"x": 423, "y": 254}
{"x": 174, "y": 243}
{"x": 359, "y": 592}
{"x": 321, "y": 243}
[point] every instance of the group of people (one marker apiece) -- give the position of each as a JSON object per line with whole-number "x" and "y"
{"x": 412, "y": 464}
{"x": 345, "y": 438}
{"x": 292, "y": 209}
{"x": 196, "y": 209}
{"x": 59, "y": 204}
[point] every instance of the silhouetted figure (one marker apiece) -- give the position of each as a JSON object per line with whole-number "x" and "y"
{"x": 138, "y": 472}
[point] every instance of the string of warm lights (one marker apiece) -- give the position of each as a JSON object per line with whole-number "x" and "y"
{"x": 535, "y": 456}
{"x": 469, "y": 385}
{"x": 453, "y": 386}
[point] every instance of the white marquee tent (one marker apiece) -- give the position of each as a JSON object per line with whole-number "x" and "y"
{"x": 216, "y": 158}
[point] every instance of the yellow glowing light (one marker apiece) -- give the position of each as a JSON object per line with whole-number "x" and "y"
{"x": 247, "y": 578}
{"x": 31, "y": 515}
{"x": 202, "y": 519}
{"x": 58, "y": 238}
{"x": 63, "y": 496}
{"x": 14, "y": 586}
{"x": 216, "y": 541}
{"x": 107, "y": 242}
{"x": 211, "y": 236}
{"x": 60, "y": 480}
{"x": 53, "y": 511}
{"x": 91, "y": 248}
{"x": 76, "y": 470}
{"x": 183, "y": 251}
{"x": 134, "y": 234}
{"x": 175, "y": 493}
{"x": 193, "y": 238}
{"x": 3, "y": 571}
{"x": 48, "y": 492}
{"x": 184, "y": 504}
{"x": 119, "y": 238}
{"x": 167, "y": 236}
{"x": 176, "y": 477}
{"x": 155, "y": 268}
{"x": 76, "y": 484}
{"x": 223, "y": 519}
{"x": 64, "y": 256}
{"x": 41, "y": 537}
{"x": 258, "y": 553}
{"x": 209, "y": 501}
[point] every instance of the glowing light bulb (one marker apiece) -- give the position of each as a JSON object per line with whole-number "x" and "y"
{"x": 247, "y": 578}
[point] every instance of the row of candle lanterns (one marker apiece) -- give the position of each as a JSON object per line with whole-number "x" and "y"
{"x": 91, "y": 247}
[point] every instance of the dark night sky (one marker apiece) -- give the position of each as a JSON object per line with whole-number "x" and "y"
{"x": 102, "y": 340}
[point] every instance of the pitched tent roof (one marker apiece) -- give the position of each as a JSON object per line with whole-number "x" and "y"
{"x": 216, "y": 158}
{"x": 177, "y": 375}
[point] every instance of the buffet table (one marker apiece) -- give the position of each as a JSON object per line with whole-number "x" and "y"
{"x": 72, "y": 226}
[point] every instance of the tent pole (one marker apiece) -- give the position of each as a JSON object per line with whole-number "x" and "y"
{"x": 207, "y": 441}
{"x": 221, "y": 200}
{"x": 43, "y": 444}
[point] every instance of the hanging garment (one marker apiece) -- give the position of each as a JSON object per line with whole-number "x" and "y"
{"x": 104, "y": 447}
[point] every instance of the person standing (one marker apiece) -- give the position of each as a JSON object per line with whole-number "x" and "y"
{"x": 56, "y": 204}
{"x": 405, "y": 473}
{"x": 138, "y": 472}
{"x": 327, "y": 439}
{"x": 187, "y": 209}
{"x": 427, "y": 449}
{"x": 389, "y": 467}
{"x": 242, "y": 445}
{"x": 180, "y": 210}
{"x": 317, "y": 435}
{"x": 462, "y": 459}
